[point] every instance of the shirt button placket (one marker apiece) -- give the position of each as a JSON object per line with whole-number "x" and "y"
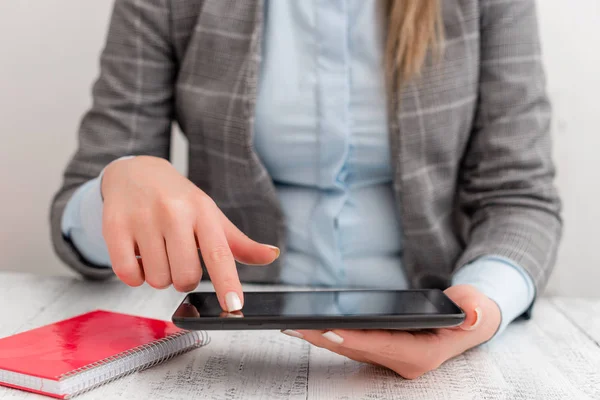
{"x": 333, "y": 93}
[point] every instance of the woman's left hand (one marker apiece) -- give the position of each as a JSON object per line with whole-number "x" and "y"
{"x": 411, "y": 354}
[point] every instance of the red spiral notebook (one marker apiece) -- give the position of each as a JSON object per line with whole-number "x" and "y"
{"x": 72, "y": 356}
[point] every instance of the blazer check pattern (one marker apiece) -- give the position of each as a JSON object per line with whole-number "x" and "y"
{"x": 470, "y": 139}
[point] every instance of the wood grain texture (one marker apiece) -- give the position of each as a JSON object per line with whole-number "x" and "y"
{"x": 582, "y": 312}
{"x": 552, "y": 356}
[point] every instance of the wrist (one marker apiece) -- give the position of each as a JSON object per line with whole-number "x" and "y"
{"x": 108, "y": 171}
{"x": 492, "y": 319}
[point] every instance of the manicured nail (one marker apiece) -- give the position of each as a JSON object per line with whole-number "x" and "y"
{"x": 334, "y": 337}
{"x": 478, "y": 314}
{"x": 275, "y": 249}
{"x": 233, "y": 302}
{"x": 292, "y": 333}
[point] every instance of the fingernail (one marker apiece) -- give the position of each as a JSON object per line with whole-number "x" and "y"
{"x": 334, "y": 337}
{"x": 233, "y": 302}
{"x": 478, "y": 314}
{"x": 292, "y": 333}
{"x": 275, "y": 249}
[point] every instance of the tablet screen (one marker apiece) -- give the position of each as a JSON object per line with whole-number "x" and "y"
{"x": 325, "y": 304}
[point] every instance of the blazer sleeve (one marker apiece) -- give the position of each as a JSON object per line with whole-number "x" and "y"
{"x": 131, "y": 112}
{"x": 506, "y": 184}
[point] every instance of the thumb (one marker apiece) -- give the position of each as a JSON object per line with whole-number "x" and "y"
{"x": 246, "y": 250}
{"x": 468, "y": 299}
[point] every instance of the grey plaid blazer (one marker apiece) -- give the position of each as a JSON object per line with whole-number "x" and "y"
{"x": 470, "y": 139}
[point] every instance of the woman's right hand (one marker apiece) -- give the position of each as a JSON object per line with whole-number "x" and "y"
{"x": 152, "y": 211}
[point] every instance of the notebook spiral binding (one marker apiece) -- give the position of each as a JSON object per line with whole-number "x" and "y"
{"x": 165, "y": 349}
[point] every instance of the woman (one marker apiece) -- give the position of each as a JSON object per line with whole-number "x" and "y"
{"x": 381, "y": 144}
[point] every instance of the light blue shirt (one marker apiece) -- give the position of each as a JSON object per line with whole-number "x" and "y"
{"x": 321, "y": 132}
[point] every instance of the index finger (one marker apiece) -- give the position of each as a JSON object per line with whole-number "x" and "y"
{"x": 218, "y": 258}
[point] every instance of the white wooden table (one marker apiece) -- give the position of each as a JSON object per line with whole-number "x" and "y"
{"x": 556, "y": 355}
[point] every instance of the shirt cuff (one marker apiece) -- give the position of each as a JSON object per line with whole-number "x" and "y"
{"x": 82, "y": 222}
{"x": 503, "y": 281}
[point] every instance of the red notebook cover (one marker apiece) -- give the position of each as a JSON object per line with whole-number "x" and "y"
{"x": 58, "y": 350}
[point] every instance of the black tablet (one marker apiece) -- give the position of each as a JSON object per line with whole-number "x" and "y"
{"x": 338, "y": 309}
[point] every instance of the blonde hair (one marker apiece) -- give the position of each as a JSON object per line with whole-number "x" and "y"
{"x": 413, "y": 28}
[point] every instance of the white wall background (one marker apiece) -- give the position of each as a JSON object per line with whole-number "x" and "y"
{"x": 49, "y": 58}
